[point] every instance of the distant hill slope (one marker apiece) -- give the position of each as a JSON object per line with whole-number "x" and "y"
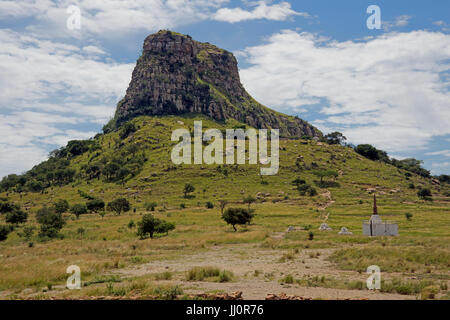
{"x": 137, "y": 164}
{"x": 177, "y": 75}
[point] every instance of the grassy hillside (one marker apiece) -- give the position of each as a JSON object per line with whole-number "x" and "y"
{"x": 108, "y": 244}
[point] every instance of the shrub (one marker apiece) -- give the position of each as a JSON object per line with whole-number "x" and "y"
{"x": 209, "y": 205}
{"x": 249, "y": 200}
{"x": 78, "y": 209}
{"x": 61, "y": 206}
{"x": 95, "y": 205}
{"x": 408, "y": 216}
{"x": 119, "y": 205}
{"x": 4, "y": 231}
{"x": 311, "y": 235}
{"x": 424, "y": 194}
{"x": 237, "y": 216}
{"x": 16, "y": 217}
{"x": 209, "y": 273}
{"x": 149, "y": 225}
{"x": 411, "y": 186}
{"x": 150, "y": 206}
{"x": 51, "y": 222}
{"x": 27, "y": 233}
{"x": 188, "y": 188}
{"x": 306, "y": 189}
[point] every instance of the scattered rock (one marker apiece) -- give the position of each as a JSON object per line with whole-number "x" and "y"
{"x": 324, "y": 227}
{"x": 344, "y": 231}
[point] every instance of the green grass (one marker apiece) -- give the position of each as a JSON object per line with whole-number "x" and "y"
{"x": 108, "y": 244}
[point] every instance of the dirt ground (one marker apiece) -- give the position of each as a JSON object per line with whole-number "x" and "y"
{"x": 244, "y": 260}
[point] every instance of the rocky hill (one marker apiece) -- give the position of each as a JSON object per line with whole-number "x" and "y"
{"x": 177, "y": 75}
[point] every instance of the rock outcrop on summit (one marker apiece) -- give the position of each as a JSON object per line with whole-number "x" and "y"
{"x": 177, "y": 75}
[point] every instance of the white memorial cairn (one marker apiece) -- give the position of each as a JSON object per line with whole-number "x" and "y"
{"x": 376, "y": 227}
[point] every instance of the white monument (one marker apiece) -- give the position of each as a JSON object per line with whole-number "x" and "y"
{"x": 376, "y": 227}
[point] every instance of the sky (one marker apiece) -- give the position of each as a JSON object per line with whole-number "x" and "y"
{"x": 60, "y": 80}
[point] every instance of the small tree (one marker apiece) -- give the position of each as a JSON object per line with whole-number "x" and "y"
{"x": 102, "y": 214}
{"x": 424, "y": 194}
{"x": 95, "y": 205}
{"x": 27, "y": 233}
{"x": 4, "y": 231}
{"x": 150, "y": 206}
{"x": 51, "y": 222}
{"x": 237, "y": 216}
{"x": 78, "y": 209}
{"x": 119, "y": 205}
{"x": 408, "y": 216}
{"x": 188, "y": 188}
{"x": 81, "y": 232}
{"x": 249, "y": 200}
{"x": 335, "y": 138}
{"x": 149, "y": 225}
{"x": 223, "y": 204}
{"x": 209, "y": 205}
{"x": 61, "y": 206}
{"x": 16, "y": 217}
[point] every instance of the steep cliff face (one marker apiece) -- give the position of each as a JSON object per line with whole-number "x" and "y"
{"x": 177, "y": 75}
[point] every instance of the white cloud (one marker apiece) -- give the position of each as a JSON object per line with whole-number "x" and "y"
{"x": 388, "y": 91}
{"x": 440, "y": 168}
{"x": 445, "y": 153}
{"x": 15, "y": 158}
{"x": 399, "y": 22}
{"x": 110, "y": 18}
{"x": 278, "y": 12}
{"x": 49, "y": 87}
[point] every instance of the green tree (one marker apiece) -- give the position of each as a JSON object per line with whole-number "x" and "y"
{"x": 4, "y": 232}
{"x": 335, "y": 138}
{"x": 188, "y": 188}
{"x": 150, "y": 206}
{"x": 79, "y": 209}
{"x": 61, "y": 206}
{"x": 119, "y": 205}
{"x": 27, "y": 233}
{"x": 95, "y": 205}
{"x": 249, "y": 200}
{"x": 424, "y": 194}
{"x": 237, "y": 216}
{"x": 16, "y": 217}
{"x": 149, "y": 226}
{"x": 50, "y": 221}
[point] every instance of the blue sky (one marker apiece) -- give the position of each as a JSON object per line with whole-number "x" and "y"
{"x": 316, "y": 59}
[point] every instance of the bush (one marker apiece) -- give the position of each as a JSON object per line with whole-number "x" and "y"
{"x": 188, "y": 188}
{"x": 119, "y": 205}
{"x": 424, "y": 194}
{"x": 209, "y": 273}
{"x": 27, "y": 233}
{"x": 51, "y": 222}
{"x": 237, "y": 216}
{"x": 16, "y": 217}
{"x": 209, "y": 205}
{"x": 4, "y": 231}
{"x": 95, "y": 205}
{"x": 408, "y": 216}
{"x": 306, "y": 189}
{"x": 78, "y": 209}
{"x": 311, "y": 235}
{"x": 61, "y": 206}
{"x": 150, "y": 206}
{"x": 149, "y": 226}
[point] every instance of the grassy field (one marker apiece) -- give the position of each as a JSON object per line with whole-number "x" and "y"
{"x": 417, "y": 262}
